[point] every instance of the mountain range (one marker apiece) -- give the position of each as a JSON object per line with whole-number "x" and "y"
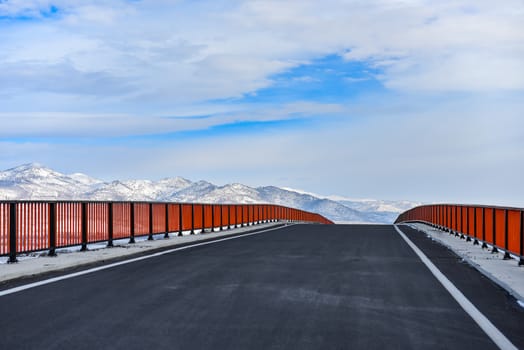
{"x": 37, "y": 182}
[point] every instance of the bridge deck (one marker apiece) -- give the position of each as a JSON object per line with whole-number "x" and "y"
{"x": 302, "y": 287}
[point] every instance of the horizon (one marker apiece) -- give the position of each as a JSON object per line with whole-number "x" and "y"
{"x": 387, "y": 100}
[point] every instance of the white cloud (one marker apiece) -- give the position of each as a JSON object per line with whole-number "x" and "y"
{"x": 186, "y": 51}
{"x": 473, "y": 71}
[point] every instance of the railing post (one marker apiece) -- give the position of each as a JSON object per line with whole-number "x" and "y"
{"x": 150, "y": 237}
{"x": 203, "y": 218}
{"x": 12, "y": 234}
{"x": 236, "y": 215}
{"x": 476, "y": 241}
{"x": 448, "y": 220}
{"x": 456, "y": 221}
{"x": 84, "y": 227}
{"x": 521, "y": 258}
{"x": 484, "y": 245}
{"x": 212, "y": 218}
{"x": 52, "y": 229}
{"x": 468, "y": 239}
{"x": 228, "y": 217}
{"x": 132, "y": 223}
{"x": 180, "y": 222}
{"x": 221, "y": 206}
{"x": 462, "y": 223}
{"x": 192, "y": 219}
{"x": 110, "y": 224}
{"x": 494, "y": 250}
{"x": 166, "y": 234}
{"x": 506, "y": 229}
{"x": 242, "y": 216}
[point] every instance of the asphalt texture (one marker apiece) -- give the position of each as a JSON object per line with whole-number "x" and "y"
{"x": 299, "y": 287}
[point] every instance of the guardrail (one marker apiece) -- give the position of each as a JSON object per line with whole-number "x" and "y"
{"x": 500, "y": 227}
{"x": 28, "y": 226}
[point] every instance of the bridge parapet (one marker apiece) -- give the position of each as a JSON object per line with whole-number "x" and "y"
{"x": 28, "y": 226}
{"x": 493, "y": 227}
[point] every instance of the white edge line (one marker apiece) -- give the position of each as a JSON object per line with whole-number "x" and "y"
{"x": 518, "y": 296}
{"x": 105, "y": 267}
{"x": 495, "y": 335}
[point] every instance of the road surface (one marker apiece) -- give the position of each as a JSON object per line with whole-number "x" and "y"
{"x": 299, "y": 287}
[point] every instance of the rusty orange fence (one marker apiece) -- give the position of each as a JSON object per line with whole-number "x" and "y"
{"x": 500, "y": 227}
{"x": 28, "y": 226}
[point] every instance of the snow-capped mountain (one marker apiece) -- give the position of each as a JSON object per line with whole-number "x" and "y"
{"x": 34, "y": 181}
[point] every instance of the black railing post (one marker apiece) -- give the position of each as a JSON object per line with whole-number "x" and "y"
{"x": 236, "y": 216}
{"x": 476, "y": 241}
{"x": 132, "y": 223}
{"x": 166, "y": 234}
{"x": 150, "y": 237}
{"x": 456, "y": 230}
{"x": 484, "y": 245}
{"x": 451, "y": 222}
{"x": 228, "y": 217}
{"x": 506, "y": 229}
{"x": 203, "y": 218}
{"x": 180, "y": 222}
{"x": 521, "y": 259}
{"x": 12, "y": 234}
{"x": 462, "y": 223}
{"x": 221, "y": 217}
{"x": 445, "y": 218}
{"x": 110, "y": 224}
{"x": 468, "y": 239}
{"x": 192, "y": 219}
{"x": 494, "y": 250}
{"x": 457, "y": 226}
{"x": 52, "y": 229}
{"x": 84, "y": 227}
{"x": 242, "y": 216}
{"x": 450, "y": 218}
{"x": 212, "y": 218}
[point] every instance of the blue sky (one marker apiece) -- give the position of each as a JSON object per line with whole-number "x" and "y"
{"x": 379, "y": 99}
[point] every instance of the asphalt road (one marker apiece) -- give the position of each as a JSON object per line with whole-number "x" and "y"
{"x": 300, "y": 287}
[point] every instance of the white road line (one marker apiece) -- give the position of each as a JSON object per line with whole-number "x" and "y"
{"x": 483, "y": 322}
{"x": 105, "y": 267}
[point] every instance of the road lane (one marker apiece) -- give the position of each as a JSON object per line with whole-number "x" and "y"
{"x": 303, "y": 287}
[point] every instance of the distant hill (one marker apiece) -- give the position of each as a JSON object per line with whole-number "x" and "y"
{"x": 37, "y": 182}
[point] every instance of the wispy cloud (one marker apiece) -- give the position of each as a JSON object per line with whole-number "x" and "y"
{"x": 104, "y": 125}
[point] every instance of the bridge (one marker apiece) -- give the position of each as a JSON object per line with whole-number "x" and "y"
{"x": 294, "y": 286}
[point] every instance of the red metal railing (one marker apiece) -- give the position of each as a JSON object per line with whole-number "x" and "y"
{"x": 27, "y": 226}
{"x": 500, "y": 227}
